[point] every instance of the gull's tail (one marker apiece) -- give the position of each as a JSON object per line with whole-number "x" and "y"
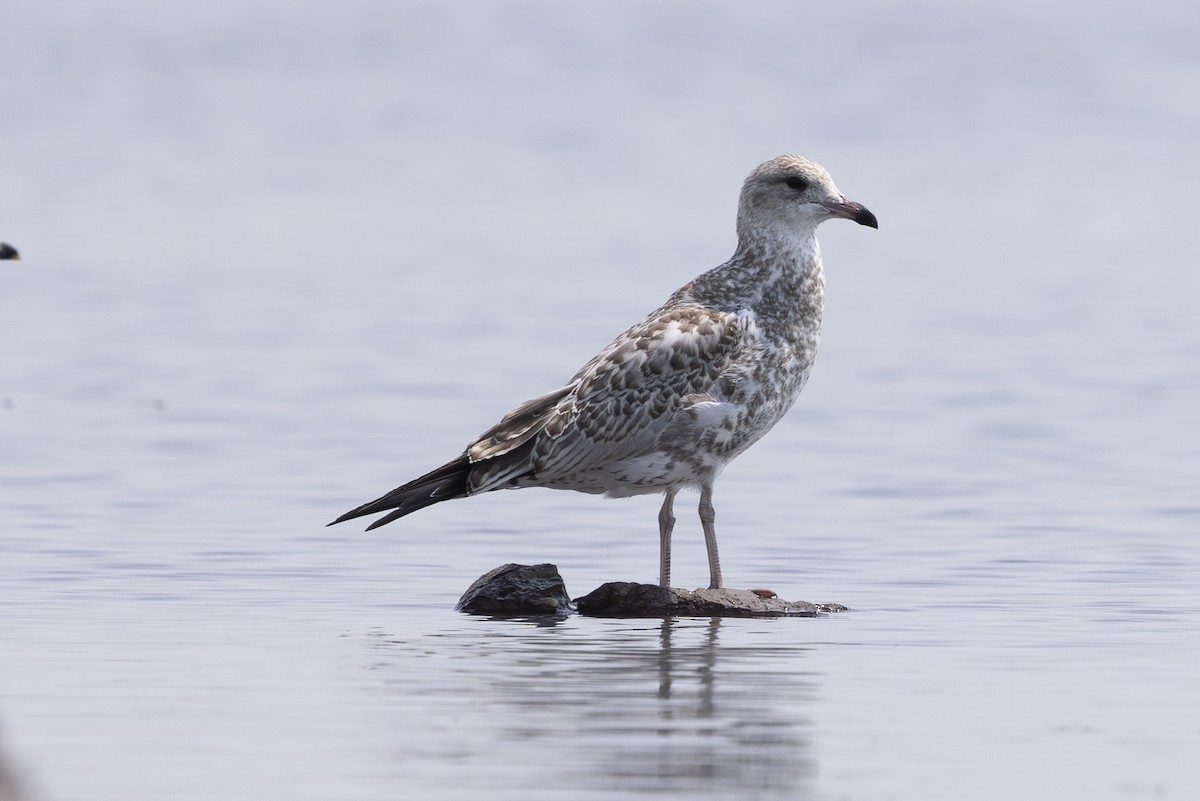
{"x": 443, "y": 484}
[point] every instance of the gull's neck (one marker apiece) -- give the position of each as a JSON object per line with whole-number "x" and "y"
{"x": 767, "y": 266}
{"x": 775, "y": 241}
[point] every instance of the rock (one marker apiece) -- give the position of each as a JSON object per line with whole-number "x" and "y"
{"x": 626, "y": 599}
{"x": 629, "y": 599}
{"x": 539, "y": 590}
{"x": 517, "y": 590}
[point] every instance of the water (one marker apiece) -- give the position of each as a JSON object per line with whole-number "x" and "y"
{"x": 279, "y": 258}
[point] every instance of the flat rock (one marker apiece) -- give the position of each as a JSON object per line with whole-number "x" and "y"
{"x": 514, "y": 589}
{"x": 630, "y": 599}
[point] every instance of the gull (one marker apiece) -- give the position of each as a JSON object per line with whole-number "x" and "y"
{"x": 675, "y": 397}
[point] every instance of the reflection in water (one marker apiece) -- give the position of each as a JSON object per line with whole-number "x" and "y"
{"x": 621, "y": 706}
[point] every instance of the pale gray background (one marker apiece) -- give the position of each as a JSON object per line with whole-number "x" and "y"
{"x": 281, "y": 256}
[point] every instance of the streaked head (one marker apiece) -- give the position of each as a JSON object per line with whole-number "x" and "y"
{"x": 793, "y": 195}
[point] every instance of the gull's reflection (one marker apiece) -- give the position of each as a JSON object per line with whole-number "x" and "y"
{"x": 705, "y": 706}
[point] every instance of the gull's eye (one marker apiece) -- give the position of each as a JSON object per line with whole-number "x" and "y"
{"x": 797, "y": 183}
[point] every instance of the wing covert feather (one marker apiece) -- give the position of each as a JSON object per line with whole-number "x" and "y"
{"x": 626, "y": 395}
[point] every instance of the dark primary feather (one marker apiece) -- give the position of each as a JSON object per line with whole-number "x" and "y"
{"x": 499, "y": 456}
{"x": 446, "y": 482}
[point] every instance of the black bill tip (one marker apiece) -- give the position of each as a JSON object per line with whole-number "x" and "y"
{"x": 863, "y": 216}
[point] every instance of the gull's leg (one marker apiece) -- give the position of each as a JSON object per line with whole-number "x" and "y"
{"x": 666, "y": 523}
{"x": 708, "y": 518}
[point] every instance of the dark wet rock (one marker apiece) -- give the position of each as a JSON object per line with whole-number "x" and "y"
{"x": 626, "y": 599}
{"x": 517, "y": 590}
{"x": 629, "y": 599}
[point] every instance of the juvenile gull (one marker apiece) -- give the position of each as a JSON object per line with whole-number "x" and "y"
{"x": 669, "y": 402}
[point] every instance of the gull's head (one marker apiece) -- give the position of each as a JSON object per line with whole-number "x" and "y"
{"x": 790, "y": 196}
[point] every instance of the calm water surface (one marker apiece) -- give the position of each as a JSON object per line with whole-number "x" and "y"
{"x": 279, "y": 258}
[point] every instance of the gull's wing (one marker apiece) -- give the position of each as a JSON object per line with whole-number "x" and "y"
{"x": 618, "y": 404}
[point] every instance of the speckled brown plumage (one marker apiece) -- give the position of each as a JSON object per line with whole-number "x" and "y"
{"x": 675, "y": 397}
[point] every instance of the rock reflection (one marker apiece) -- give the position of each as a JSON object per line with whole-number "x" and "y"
{"x": 695, "y": 706}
